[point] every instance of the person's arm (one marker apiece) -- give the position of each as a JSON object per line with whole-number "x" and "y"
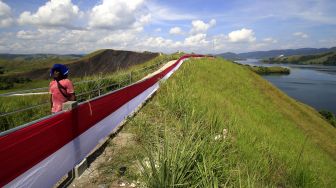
{"x": 70, "y": 90}
{"x": 50, "y": 99}
{"x": 72, "y": 97}
{"x": 51, "y": 102}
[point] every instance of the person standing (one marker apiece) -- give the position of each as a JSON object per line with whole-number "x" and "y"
{"x": 60, "y": 88}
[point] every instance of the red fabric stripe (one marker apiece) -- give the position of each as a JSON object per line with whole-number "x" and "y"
{"x": 24, "y": 148}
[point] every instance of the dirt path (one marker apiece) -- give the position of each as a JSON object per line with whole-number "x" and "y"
{"x": 95, "y": 176}
{"x": 26, "y": 94}
{"x": 123, "y": 141}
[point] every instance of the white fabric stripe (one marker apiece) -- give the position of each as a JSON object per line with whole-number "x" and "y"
{"x": 47, "y": 172}
{"x": 50, "y": 170}
{"x": 173, "y": 70}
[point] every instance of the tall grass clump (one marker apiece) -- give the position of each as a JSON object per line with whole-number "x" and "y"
{"x": 192, "y": 147}
{"x": 190, "y": 161}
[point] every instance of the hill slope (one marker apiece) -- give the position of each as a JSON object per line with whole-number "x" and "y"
{"x": 102, "y": 61}
{"x": 230, "y": 56}
{"x": 12, "y": 64}
{"x": 215, "y": 123}
{"x": 323, "y": 59}
{"x": 275, "y": 53}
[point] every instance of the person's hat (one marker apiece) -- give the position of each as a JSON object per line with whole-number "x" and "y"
{"x": 60, "y": 68}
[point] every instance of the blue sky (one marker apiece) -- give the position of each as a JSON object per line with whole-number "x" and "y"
{"x": 213, "y": 26}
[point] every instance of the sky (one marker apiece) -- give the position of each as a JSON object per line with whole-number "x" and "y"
{"x": 212, "y": 26}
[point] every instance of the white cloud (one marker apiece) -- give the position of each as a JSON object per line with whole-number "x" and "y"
{"x": 195, "y": 43}
{"x": 79, "y": 37}
{"x": 175, "y": 31}
{"x": 162, "y": 13}
{"x": 145, "y": 19}
{"x": 195, "y": 40}
{"x": 270, "y": 40}
{"x": 243, "y": 35}
{"x": 38, "y": 34}
{"x": 301, "y": 34}
{"x": 5, "y": 10}
{"x": 118, "y": 14}
{"x": 198, "y": 26}
{"x": 55, "y": 13}
{"x": 6, "y": 19}
{"x": 120, "y": 38}
{"x": 156, "y": 42}
{"x": 158, "y": 30}
{"x": 63, "y": 40}
{"x": 5, "y": 41}
{"x": 27, "y": 35}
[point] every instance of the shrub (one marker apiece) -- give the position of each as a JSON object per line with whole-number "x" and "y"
{"x": 329, "y": 116}
{"x": 8, "y": 82}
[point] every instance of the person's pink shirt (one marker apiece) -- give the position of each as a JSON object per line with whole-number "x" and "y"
{"x": 57, "y": 98}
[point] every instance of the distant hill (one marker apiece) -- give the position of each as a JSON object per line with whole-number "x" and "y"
{"x": 230, "y": 56}
{"x": 275, "y": 53}
{"x": 101, "y": 61}
{"x": 328, "y": 58}
{"x": 30, "y": 57}
{"x": 13, "y": 64}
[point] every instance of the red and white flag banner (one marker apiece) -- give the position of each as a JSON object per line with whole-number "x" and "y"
{"x": 40, "y": 154}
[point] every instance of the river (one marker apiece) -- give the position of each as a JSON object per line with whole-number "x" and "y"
{"x": 314, "y": 85}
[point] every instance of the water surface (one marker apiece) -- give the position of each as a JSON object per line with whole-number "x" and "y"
{"x": 314, "y": 85}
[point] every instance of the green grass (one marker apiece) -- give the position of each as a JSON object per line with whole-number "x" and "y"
{"x": 268, "y": 70}
{"x": 8, "y": 104}
{"x": 103, "y": 82}
{"x": 270, "y": 139}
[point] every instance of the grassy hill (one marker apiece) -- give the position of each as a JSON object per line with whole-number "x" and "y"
{"x": 267, "y": 70}
{"x": 18, "y": 71}
{"x": 13, "y": 64}
{"x": 101, "y": 61}
{"x": 36, "y": 66}
{"x": 321, "y": 59}
{"x": 230, "y": 56}
{"x": 216, "y": 124}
